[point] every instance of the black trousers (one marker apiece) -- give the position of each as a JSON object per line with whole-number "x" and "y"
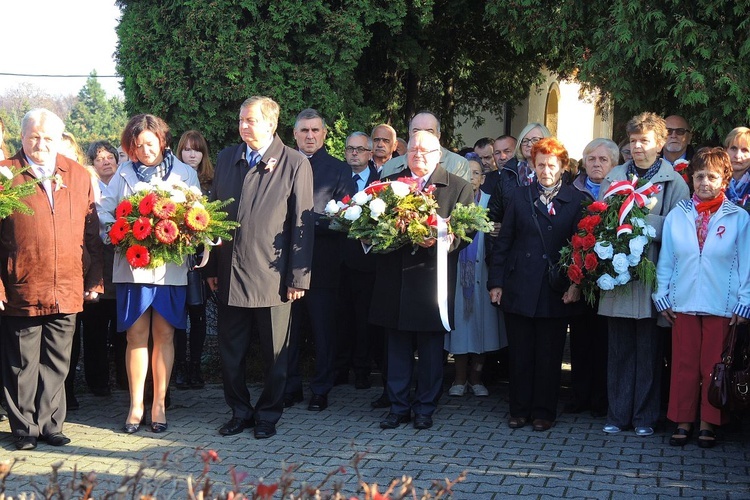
{"x": 401, "y": 366}
{"x": 536, "y": 350}
{"x": 197, "y": 316}
{"x": 236, "y": 325}
{"x": 317, "y": 313}
{"x": 588, "y": 360}
{"x": 35, "y": 362}
{"x": 356, "y": 339}
{"x": 97, "y": 324}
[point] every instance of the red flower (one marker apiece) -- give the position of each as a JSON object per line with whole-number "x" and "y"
{"x": 591, "y": 262}
{"x": 575, "y": 274}
{"x": 346, "y": 199}
{"x": 376, "y": 188}
{"x": 589, "y": 241}
{"x": 412, "y": 182}
{"x": 166, "y": 231}
{"x": 147, "y": 204}
{"x": 577, "y": 242}
{"x": 164, "y": 208}
{"x": 577, "y": 259}
{"x": 598, "y": 207}
{"x": 138, "y": 256}
{"x": 197, "y": 218}
{"x": 432, "y": 220}
{"x": 142, "y": 228}
{"x": 429, "y": 189}
{"x": 589, "y": 223}
{"x": 124, "y": 209}
{"x": 118, "y": 231}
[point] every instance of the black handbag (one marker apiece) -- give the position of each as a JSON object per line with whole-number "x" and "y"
{"x": 556, "y": 278}
{"x": 196, "y": 292}
{"x": 729, "y": 387}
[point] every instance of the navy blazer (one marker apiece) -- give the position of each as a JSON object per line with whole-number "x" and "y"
{"x": 354, "y": 256}
{"x": 519, "y": 262}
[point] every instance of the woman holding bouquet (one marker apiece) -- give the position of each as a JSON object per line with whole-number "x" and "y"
{"x": 149, "y": 301}
{"x": 539, "y": 221}
{"x": 634, "y": 342}
{"x": 703, "y": 280}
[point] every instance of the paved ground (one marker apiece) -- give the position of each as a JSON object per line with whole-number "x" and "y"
{"x": 575, "y": 459}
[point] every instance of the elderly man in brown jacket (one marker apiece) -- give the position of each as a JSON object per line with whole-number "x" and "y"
{"x": 50, "y": 262}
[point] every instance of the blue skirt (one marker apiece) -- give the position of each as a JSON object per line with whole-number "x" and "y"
{"x": 133, "y": 299}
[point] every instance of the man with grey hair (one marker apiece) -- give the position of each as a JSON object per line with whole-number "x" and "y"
{"x": 332, "y": 180}
{"x": 679, "y": 135}
{"x": 54, "y": 263}
{"x": 384, "y": 144}
{"x": 266, "y": 267}
{"x": 428, "y": 122}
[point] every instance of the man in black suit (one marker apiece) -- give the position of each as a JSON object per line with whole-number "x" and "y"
{"x": 332, "y": 180}
{"x": 406, "y": 291}
{"x": 266, "y": 267}
{"x": 356, "y": 345}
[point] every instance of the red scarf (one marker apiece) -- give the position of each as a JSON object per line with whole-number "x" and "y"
{"x": 705, "y": 210}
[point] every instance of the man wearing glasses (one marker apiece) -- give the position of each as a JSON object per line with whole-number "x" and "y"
{"x": 678, "y": 145}
{"x": 428, "y": 122}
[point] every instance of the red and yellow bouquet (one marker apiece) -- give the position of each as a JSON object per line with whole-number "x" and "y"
{"x": 163, "y": 223}
{"x": 392, "y": 214}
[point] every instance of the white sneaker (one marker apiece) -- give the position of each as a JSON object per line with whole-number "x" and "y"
{"x": 479, "y": 390}
{"x": 457, "y": 390}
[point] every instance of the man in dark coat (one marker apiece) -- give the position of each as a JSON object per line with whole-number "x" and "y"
{"x": 266, "y": 266}
{"x": 356, "y": 346}
{"x": 51, "y": 262}
{"x": 332, "y": 180}
{"x": 406, "y": 290}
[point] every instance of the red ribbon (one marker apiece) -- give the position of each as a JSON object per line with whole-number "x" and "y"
{"x": 633, "y": 196}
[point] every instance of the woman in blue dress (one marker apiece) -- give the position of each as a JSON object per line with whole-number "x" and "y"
{"x": 150, "y": 302}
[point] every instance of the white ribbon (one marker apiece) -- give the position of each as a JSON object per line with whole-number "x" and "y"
{"x": 207, "y": 250}
{"x": 443, "y": 243}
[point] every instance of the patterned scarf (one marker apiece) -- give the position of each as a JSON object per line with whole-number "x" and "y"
{"x": 547, "y": 194}
{"x": 705, "y": 210}
{"x": 525, "y": 173}
{"x": 649, "y": 173}
{"x": 738, "y": 192}
{"x": 162, "y": 170}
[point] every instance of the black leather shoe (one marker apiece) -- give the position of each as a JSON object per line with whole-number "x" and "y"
{"x": 57, "y": 439}
{"x": 235, "y": 426}
{"x": 131, "y": 428}
{"x": 680, "y": 437}
{"x": 291, "y": 398}
{"x": 381, "y": 402}
{"x": 318, "y": 403}
{"x": 393, "y": 420}
{"x": 159, "y": 427}
{"x": 25, "y": 443}
{"x": 362, "y": 382}
{"x": 264, "y": 430}
{"x": 422, "y": 421}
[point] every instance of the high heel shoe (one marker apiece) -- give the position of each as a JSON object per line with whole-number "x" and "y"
{"x": 131, "y": 428}
{"x": 158, "y": 427}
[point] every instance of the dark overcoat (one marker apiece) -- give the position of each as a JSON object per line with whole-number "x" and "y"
{"x": 519, "y": 262}
{"x": 272, "y": 248}
{"x": 405, "y": 296}
{"x": 332, "y": 180}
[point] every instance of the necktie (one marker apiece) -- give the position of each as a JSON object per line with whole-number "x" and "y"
{"x": 357, "y": 179}
{"x": 254, "y": 159}
{"x": 420, "y": 184}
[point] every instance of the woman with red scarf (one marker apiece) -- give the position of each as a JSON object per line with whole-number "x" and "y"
{"x": 703, "y": 276}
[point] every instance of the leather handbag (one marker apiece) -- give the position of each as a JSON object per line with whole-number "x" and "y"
{"x": 196, "y": 292}
{"x": 729, "y": 387}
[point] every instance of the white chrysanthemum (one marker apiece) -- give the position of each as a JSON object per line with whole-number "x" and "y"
{"x": 377, "y": 208}
{"x": 353, "y": 213}
{"x": 400, "y": 189}
{"x": 332, "y": 207}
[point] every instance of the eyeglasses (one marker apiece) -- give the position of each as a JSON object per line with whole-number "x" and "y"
{"x": 530, "y": 141}
{"x": 359, "y": 149}
{"x": 702, "y": 176}
{"x": 678, "y": 131}
{"x": 421, "y": 153}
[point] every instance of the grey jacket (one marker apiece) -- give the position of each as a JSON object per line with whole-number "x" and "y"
{"x": 634, "y": 299}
